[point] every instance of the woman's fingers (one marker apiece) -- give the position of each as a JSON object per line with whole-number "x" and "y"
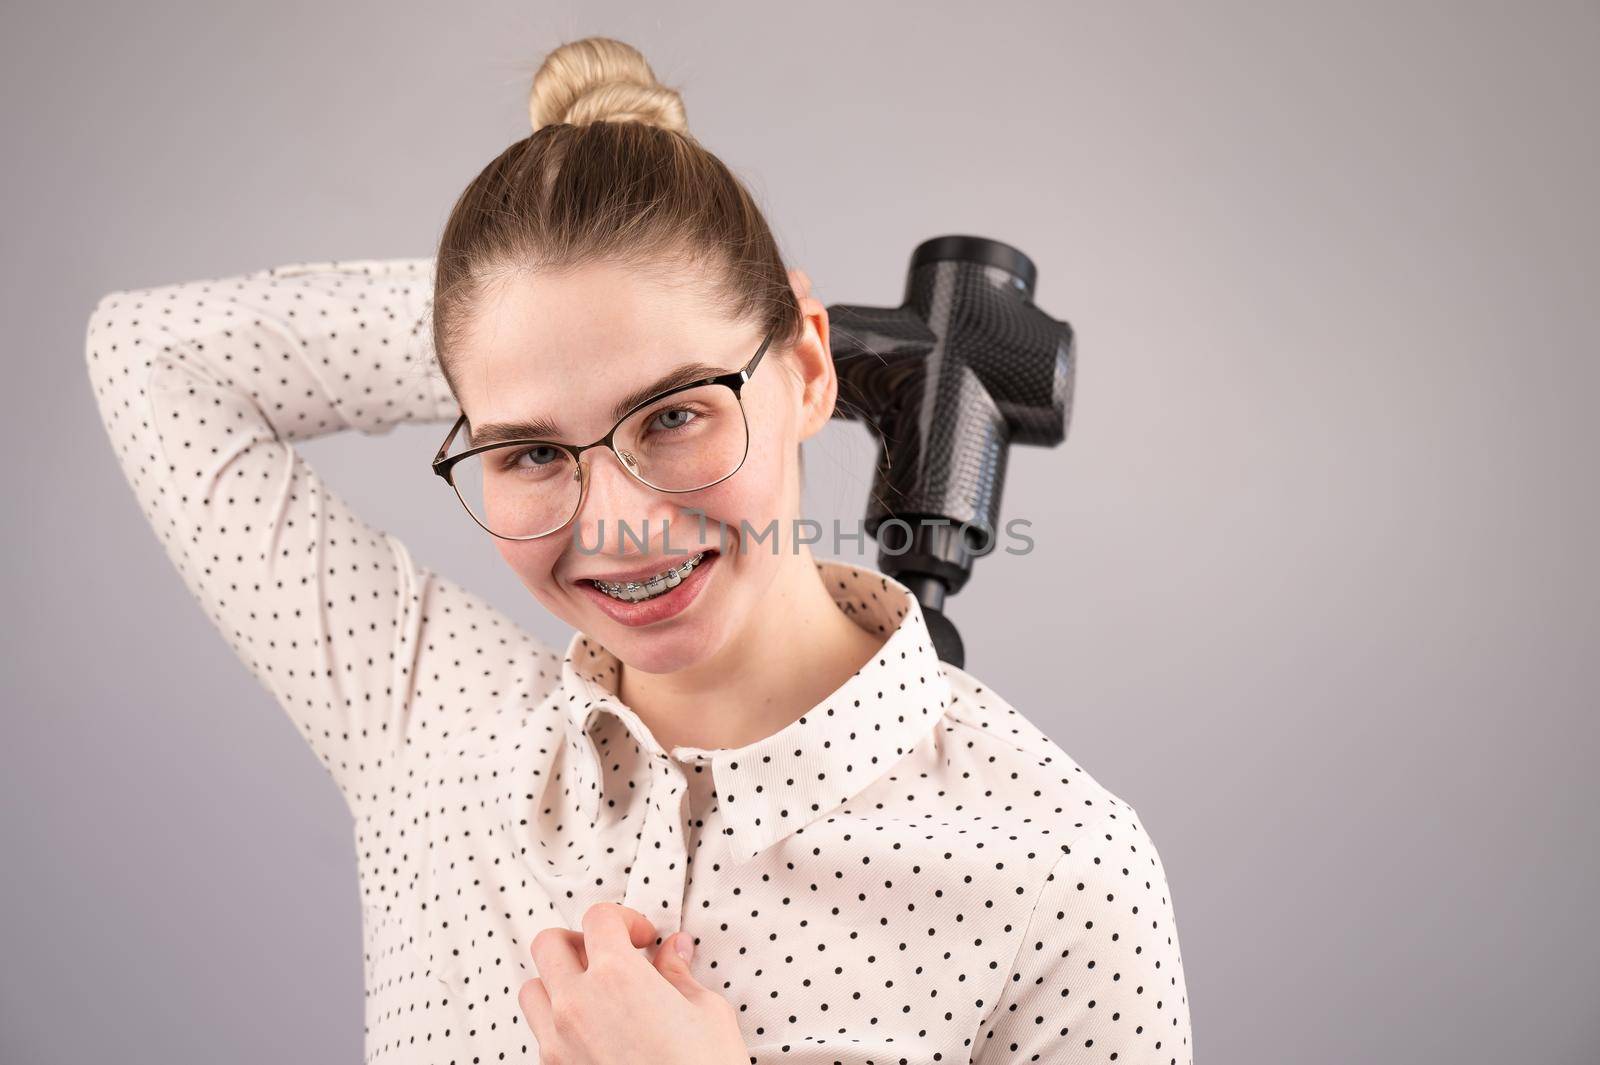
{"x": 535, "y": 1003}
{"x": 612, "y": 928}
{"x": 620, "y": 1011}
{"x": 667, "y": 956}
{"x": 558, "y": 953}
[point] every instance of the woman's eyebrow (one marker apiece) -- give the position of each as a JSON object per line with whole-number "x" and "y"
{"x": 548, "y": 429}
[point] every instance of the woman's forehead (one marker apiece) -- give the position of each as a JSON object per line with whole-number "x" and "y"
{"x": 564, "y": 350}
{"x": 587, "y": 318}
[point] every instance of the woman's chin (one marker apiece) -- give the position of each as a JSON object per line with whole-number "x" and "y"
{"x": 659, "y": 652}
{"x": 650, "y": 648}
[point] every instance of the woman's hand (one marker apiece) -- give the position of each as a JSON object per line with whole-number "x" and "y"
{"x": 597, "y": 1001}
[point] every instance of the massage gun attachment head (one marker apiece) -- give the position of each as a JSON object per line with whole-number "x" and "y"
{"x": 962, "y": 369}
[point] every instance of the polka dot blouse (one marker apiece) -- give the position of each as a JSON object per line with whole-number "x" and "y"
{"x": 911, "y": 872}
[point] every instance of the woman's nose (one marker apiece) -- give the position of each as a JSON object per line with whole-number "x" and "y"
{"x": 613, "y": 496}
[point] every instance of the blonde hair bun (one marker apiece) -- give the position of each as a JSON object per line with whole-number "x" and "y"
{"x": 601, "y": 79}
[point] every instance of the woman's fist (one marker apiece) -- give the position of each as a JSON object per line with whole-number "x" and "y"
{"x": 597, "y": 1001}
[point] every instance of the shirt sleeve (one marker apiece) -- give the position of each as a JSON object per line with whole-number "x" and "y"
{"x": 201, "y": 387}
{"x": 1098, "y": 977}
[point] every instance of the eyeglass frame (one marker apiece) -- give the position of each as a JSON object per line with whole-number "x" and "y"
{"x": 734, "y": 380}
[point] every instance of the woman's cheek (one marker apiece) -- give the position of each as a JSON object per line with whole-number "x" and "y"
{"x": 753, "y": 497}
{"x": 534, "y": 561}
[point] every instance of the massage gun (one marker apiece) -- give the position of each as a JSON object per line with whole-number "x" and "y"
{"x": 965, "y": 367}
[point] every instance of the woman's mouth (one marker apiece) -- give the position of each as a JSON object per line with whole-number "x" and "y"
{"x": 653, "y": 599}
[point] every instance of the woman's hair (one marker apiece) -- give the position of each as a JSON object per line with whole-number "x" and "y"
{"x": 610, "y": 174}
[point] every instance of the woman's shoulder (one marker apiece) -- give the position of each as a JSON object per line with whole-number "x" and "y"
{"x": 1033, "y": 783}
{"x": 1078, "y": 876}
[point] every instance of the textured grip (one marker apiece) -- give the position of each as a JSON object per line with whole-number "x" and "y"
{"x": 962, "y": 369}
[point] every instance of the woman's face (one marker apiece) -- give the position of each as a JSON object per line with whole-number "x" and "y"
{"x": 567, "y": 348}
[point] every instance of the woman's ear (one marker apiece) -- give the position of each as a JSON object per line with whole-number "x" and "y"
{"x": 813, "y": 358}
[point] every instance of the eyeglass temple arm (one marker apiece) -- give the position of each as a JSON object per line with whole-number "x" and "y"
{"x": 755, "y": 359}
{"x": 461, "y": 420}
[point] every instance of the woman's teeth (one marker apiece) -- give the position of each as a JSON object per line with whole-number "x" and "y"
{"x": 638, "y": 591}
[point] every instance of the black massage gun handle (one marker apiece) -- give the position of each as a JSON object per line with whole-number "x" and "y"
{"x": 962, "y": 369}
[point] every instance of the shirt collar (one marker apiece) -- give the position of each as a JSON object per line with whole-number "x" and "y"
{"x": 783, "y": 782}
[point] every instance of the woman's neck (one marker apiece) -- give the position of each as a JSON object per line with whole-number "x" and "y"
{"x": 798, "y": 647}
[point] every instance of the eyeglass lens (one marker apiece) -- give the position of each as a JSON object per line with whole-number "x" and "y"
{"x": 682, "y": 442}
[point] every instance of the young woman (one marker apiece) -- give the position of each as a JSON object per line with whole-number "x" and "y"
{"x": 869, "y": 856}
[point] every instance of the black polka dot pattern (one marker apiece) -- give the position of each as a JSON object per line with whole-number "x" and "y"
{"x": 910, "y": 872}
{"x": 782, "y": 783}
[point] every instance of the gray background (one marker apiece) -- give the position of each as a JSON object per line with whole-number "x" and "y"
{"x": 1314, "y": 585}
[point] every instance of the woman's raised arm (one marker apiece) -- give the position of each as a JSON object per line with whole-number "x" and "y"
{"x": 202, "y": 386}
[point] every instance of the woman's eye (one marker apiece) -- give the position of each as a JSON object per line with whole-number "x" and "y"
{"x": 540, "y": 456}
{"x": 676, "y": 418}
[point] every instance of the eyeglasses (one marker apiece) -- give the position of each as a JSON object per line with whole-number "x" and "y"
{"x": 683, "y": 439}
